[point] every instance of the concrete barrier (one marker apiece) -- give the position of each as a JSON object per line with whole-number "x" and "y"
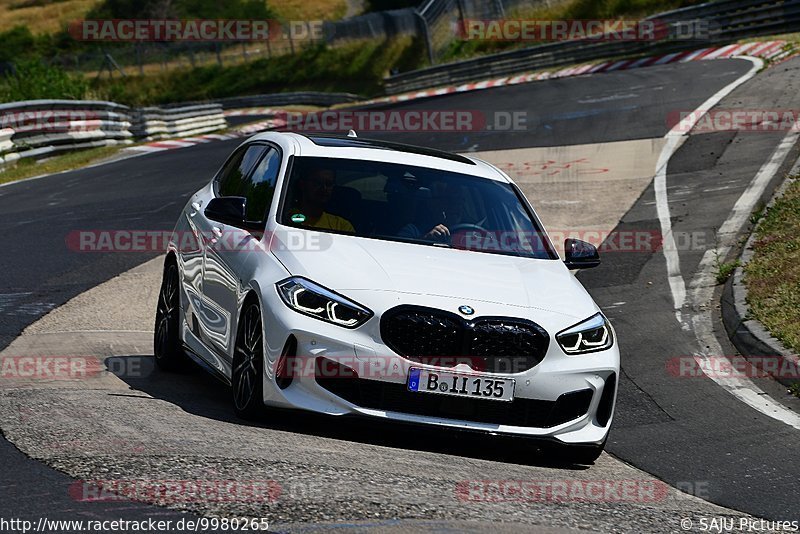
{"x": 153, "y": 123}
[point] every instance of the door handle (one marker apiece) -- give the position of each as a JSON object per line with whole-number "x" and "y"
{"x": 196, "y": 207}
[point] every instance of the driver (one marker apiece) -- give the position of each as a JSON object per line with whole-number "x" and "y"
{"x": 448, "y": 211}
{"x": 315, "y": 188}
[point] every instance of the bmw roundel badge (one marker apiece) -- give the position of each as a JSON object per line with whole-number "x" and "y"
{"x": 466, "y": 310}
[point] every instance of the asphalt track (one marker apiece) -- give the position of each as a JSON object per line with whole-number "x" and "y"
{"x": 687, "y": 431}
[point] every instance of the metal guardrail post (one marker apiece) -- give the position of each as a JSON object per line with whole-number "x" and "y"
{"x": 501, "y": 11}
{"x": 426, "y": 35}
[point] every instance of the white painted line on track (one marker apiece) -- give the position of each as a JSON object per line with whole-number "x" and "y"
{"x": 702, "y": 292}
{"x": 675, "y": 138}
{"x": 670, "y": 249}
{"x": 702, "y": 285}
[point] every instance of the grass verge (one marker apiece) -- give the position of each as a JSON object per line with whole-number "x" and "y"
{"x": 357, "y": 67}
{"x": 773, "y": 276}
{"x": 42, "y": 16}
{"x": 51, "y": 16}
{"x": 725, "y": 270}
{"x": 309, "y": 9}
{"x": 27, "y": 168}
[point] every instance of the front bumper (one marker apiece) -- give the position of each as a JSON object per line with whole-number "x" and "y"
{"x": 567, "y": 398}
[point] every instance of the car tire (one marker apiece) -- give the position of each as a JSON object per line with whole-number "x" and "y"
{"x": 248, "y": 364}
{"x": 167, "y": 346}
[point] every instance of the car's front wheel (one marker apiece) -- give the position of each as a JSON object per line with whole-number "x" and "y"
{"x": 167, "y": 346}
{"x": 248, "y": 364}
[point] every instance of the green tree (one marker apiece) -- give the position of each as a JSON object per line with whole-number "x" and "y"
{"x": 34, "y": 79}
{"x": 16, "y": 43}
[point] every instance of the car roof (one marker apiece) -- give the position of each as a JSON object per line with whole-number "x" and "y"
{"x": 335, "y": 146}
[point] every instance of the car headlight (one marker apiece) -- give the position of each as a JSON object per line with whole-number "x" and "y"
{"x": 591, "y": 335}
{"x": 306, "y": 297}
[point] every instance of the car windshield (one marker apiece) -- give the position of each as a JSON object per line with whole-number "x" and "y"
{"x": 395, "y": 202}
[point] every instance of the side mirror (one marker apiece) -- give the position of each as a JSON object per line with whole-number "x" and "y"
{"x": 227, "y": 210}
{"x": 580, "y": 254}
{"x": 231, "y": 211}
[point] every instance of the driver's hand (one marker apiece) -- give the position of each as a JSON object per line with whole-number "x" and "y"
{"x": 437, "y": 232}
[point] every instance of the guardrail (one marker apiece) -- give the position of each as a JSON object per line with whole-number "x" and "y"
{"x": 376, "y": 25}
{"x": 308, "y": 98}
{"x": 724, "y": 21}
{"x": 6, "y": 146}
{"x": 154, "y": 123}
{"x": 46, "y": 127}
{"x": 42, "y": 128}
{"x": 439, "y": 18}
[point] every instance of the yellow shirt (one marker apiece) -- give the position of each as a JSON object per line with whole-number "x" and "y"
{"x": 327, "y": 221}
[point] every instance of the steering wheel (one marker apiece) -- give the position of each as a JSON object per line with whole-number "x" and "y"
{"x": 459, "y": 231}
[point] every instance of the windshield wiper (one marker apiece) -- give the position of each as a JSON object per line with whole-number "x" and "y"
{"x": 412, "y": 240}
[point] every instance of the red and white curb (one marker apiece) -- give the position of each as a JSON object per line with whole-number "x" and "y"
{"x": 770, "y": 50}
{"x": 251, "y": 111}
{"x": 171, "y": 144}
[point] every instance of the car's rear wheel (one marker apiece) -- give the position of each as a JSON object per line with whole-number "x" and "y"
{"x": 167, "y": 346}
{"x": 248, "y": 364}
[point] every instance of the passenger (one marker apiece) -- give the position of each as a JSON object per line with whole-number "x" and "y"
{"x": 314, "y": 192}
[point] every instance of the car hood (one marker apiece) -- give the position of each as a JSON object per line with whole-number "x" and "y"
{"x": 344, "y": 263}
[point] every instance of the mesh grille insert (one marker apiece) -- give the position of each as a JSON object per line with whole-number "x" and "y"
{"x": 437, "y": 337}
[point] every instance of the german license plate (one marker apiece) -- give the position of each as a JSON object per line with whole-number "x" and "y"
{"x": 460, "y": 385}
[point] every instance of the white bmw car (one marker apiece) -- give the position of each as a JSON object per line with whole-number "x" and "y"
{"x": 344, "y": 276}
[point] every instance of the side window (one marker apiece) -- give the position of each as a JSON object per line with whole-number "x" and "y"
{"x": 231, "y": 181}
{"x": 260, "y": 188}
